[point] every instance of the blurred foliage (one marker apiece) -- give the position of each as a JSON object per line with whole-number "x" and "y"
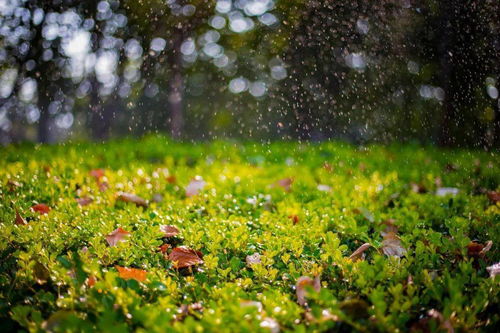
{"x": 413, "y": 70}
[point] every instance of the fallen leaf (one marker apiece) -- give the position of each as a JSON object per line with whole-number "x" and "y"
{"x": 477, "y": 250}
{"x": 285, "y": 183}
{"x": 493, "y": 196}
{"x": 97, "y": 174}
{"x": 271, "y": 324}
{"x": 132, "y": 198}
{"x": 253, "y": 259}
{"x": 103, "y": 186}
{"x": 494, "y": 270}
{"x": 195, "y": 186}
{"x": 132, "y": 273}
{"x": 303, "y": 283}
{"x": 84, "y": 201}
{"x": 91, "y": 280}
{"x": 391, "y": 245}
{"x": 19, "y": 219}
{"x": 164, "y": 248}
{"x": 116, "y": 236}
{"x": 444, "y": 191}
{"x": 171, "y": 179}
{"x": 41, "y": 209}
{"x": 185, "y": 257}
{"x": 169, "y": 230}
{"x": 359, "y": 253}
{"x": 294, "y": 218}
{"x": 424, "y": 324}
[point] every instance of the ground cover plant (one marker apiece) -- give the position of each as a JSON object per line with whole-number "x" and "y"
{"x": 157, "y": 236}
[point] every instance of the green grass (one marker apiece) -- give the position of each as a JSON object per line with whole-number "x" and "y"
{"x": 48, "y": 265}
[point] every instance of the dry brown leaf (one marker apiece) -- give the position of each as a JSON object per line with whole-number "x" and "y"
{"x": 169, "y": 230}
{"x": 295, "y": 219}
{"x": 389, "y": 227}
{"x": 185, "y": 257}
{"x": 303, "y": 283}
{"x": 42, "y": 209}
{"x": 391, "y": 245}
{"x": 493, "y": 196}
{"x": 164, "y": 248}
{"x": 478, "y": 250}
{"x": 195, "y": 186}
{"x": 116, "y": 236}
{"x": 359, "y": 253}
{"x": 19, "y": 219}
{"x": 132, "y": 198}
{"x": 132, "y": 273}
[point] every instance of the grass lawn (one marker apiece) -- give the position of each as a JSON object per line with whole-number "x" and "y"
{"x": 157, "y": 236}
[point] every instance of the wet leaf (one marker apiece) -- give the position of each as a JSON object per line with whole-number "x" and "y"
{"x": 494, "y": 270}
{"x": 195, "y": 186}
{"x": 253, "y": 259}
{"x": 185, "y": 257}
{"x": 84, "y": 201}
{"x": 359, "y": 253}
{"x": 132, "y": 198}
{"x": 169, "y": 230}
{"x": 116, "y": 236}
{"x": 132, "y": 273}
{"x": 285, "y": 183}
{"x": 42, "y": 209}
{"x": 493, "y": 196}
{"x": 303, "y": 283}
{"x": 391, "y": 245}
{"x": 19, "y": 220}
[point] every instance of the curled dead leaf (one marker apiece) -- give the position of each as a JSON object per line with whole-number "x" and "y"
{"x": 195, "y": 186}
{"x": 303, "y": 283}
{"x": 132, "y": 198}
{"x": 295, "y": 219}
{"x": 478, "y": 250}
{"x": 169, "y": 230}
{"x": 132, "y": 273}
{"x": 391, "y": 245}
{"x": 42, "y": 209}
{"x": 184, "y": 257}
{"x": 359, "y": 253}
{"x": 116, "y": 236}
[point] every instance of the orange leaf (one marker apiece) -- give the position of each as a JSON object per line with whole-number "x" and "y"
{"x": 164, "y": 248}
{"x": 91, "y": 280}
{"x": 116, "y": 236}
{"x": 195, "y": 186}
{"x": 132, "y": 273}
{"x": 41, "y": 209}
{"x": 19, "y": 219}
{"x": 132, "y": 198}
{"x": 359, "y": 253}
{"x": 185, "y": 257}
{"x": 169, "y": 230}
{"x": 171, "y": 179}
{"x": 295, "y": 219}
{"x": 84, "y": 201}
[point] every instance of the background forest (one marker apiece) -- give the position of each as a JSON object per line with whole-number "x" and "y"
{"x": 360, "y": 71}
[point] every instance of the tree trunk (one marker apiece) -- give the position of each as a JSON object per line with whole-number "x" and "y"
{"x": 176, "y": 87}
{"x": 101, "y": 114}
{"x": 44, "y": 122}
